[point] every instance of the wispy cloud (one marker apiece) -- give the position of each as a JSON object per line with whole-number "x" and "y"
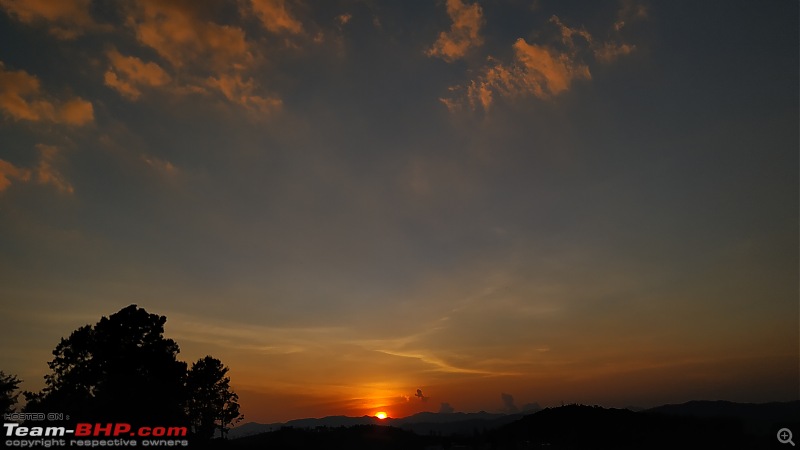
{"x": 10, "y": 173}
{"x": 243, "y": 92}
{"x": 276, "y": 17}
{"x": 537, "y": 71}
{"x": 22, "y": 98}
{"x": 45, "y": 172}
{"x": 180, "y": 34}
{"x": 64, "y": 19}
{"x": 128, "y": 75}
{"x": 543, "y": 71}
{"x": 463, "y": 34}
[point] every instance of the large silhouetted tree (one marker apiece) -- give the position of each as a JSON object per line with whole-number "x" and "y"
{"x": 212, "y": 404}
{"x": 8, "y": 392}
{"x": 123, "y": 369}
{"x": 120, "y": 369}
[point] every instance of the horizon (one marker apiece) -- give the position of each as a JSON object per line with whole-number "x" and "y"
{"x": 454, "y": 205}
{"x": 387, "y": 419}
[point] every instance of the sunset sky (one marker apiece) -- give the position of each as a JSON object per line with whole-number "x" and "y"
{"x": 346, "y": 201}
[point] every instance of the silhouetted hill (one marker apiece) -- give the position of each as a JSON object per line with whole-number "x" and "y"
{"x": 420, "y": 423}
{"x": 700, "y": 425}
{"x": 455, "y": 424}
{"x": 358, "y": 437}
{"x": 252, "y": 428}
{"x": 755, "y": 412}
{"x": 697, "y": 425}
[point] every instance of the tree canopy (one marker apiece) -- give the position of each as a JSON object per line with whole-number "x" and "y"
{"x": 212, "y": 404}
{"x": 8, "y": 392}
{"x": 124, "y": 369}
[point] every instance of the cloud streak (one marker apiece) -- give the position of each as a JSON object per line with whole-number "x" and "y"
{"x": 64, "y": 19}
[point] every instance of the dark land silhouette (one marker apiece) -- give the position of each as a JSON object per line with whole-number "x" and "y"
{"x": 122, "y": 369}
{"x": 693, "y": 425}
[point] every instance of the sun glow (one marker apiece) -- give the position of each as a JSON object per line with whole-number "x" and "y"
{"x": 381, "y": 415}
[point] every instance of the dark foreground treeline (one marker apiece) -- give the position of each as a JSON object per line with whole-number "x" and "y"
{"x": 567, "y": 427}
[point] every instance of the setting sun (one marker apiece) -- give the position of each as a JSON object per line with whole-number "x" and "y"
{"x": 380, "y": 415}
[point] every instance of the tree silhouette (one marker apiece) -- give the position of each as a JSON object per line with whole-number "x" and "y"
{"x": 8, "y": 395}
{"x": 120, "y": 369}
{"x": 212, "y": 404}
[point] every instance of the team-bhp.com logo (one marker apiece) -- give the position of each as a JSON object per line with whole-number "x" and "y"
{"x": 94, "y": 430}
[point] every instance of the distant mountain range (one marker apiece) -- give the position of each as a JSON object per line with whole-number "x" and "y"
{"x": 732, "y": 419}
{"x": 420, "y": 423}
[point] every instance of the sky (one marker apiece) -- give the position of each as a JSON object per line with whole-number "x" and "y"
{"x": 496, "y": 203}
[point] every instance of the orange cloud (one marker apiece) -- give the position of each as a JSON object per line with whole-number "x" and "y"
{"x": 10, "y": 172}
{"x": 177, "y": 33}
{"x": 567, "y": 33}
{"x": 630, "y": 11}
{"x": 65, "y": 19}
{"x": 76, "y": 112}
{"x": 45, "y": 172}
{"x": 21, "y": 98}
{"x": 463, "y": 34}
{"x": 128, "y": 74}
{"x": 537, "y": 70}
{"x": 275, "y": 17}
{"x": 610, "y": 51}
{"x": 242, "y": 93}
{"x": 547, "y": 72}
{"x": 203, "y": 54}
{"x": 343, "y": 19}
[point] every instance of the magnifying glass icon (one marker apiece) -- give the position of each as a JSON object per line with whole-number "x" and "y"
{"x": 785, "y": 436}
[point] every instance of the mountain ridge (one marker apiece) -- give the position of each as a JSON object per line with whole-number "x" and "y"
{"x": 755, "y": 417}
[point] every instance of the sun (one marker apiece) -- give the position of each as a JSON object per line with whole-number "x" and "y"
{"x": 381, "y": 415}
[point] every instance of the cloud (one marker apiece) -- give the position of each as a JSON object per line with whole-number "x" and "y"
{"x": 567, "y": 33}
{"x": 464, "y": 33}
{"x": 76, "y": 111}
{"x": 10, "y": 172}
{"x": 242, "y": 92}
{"x": 178, "y": 33}
{"x": 160, "y": 165}
{"x": 445, "y": 408}
{"x": 629, "y": 12}
{"x": 44, "y": 173}
{"x": 275, "y": 17}
{"x": 21, "y": 98}
{"x": 508, "y": 403}
{"x": 203, "y": 56}
{"x": 547, "y": 72}
{"x": 537, "y": 71}
{"x": 421, "y": 395}
{"x": 610, "y": 51}
{"x": 128, "y": 74}
{"x": 343, "y": 19}
{"x": 65, "y": 19}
